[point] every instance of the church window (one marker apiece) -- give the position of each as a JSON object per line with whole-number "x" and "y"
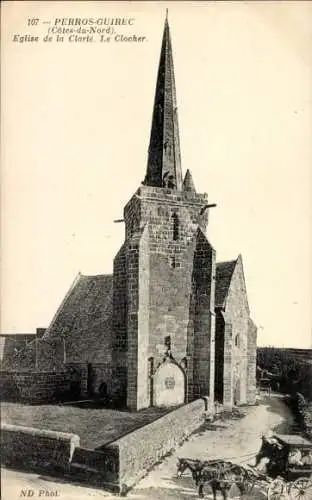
{"x": 237, "y": 341}
{"x": 176, "y": 224}
{"x": 168, "y": 342}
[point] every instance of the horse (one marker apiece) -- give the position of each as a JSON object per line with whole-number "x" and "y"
{"x": 221, "y": 475}
{"x": 193, "y": 465}
{"x": 219, "y": 478}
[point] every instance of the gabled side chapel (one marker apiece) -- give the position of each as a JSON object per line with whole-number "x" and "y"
{"x": 170, "y": 325}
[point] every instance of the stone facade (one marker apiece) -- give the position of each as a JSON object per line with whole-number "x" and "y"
{"x": 236, "y": 344}
{"x": 171, "y": 324}
{"x": 163, "y": 294}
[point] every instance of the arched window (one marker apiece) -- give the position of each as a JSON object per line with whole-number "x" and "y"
{"x": 237, "y": 341}
{"x": 175, "y": 220}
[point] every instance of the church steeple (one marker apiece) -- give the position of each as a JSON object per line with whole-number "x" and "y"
{"x": 164, "y": 157}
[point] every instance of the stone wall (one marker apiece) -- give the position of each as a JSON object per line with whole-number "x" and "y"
{"x": 91, "y": 376}
{"x": 141, "y": 449}
{"x": 120, "y": 303}
{"x": 137, "y": 320}
{"x": 34, "y": 387}
{"x": 239, "y": 376}
{"x": 252, "y": 362}
{"x": 143, "y": 385}
{"x": 154, "y": 291}
{"x": 204, "y": 322}
{"x": 117, "y": 466}
{"x": 120, "y": 336}
{"x": 29, "y": 448}
{"x": 228, "y": 367}
{"x": 236, "y": 317}
{"x": 97, "y": 467}
{"x": 10, "y": 344}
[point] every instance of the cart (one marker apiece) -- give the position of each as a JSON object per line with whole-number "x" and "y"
{"x": 291, "y": 481}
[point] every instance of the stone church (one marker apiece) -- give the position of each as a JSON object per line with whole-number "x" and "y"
{"x": 170, "y": 324}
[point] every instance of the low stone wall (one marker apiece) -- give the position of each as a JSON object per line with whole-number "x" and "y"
{"x": 34, "y": 387}
{"x": 97, "y": 467}
{"x": 28, "y": 448}
{"x": 116, "y": 467}
{"x": 142, "y": 448}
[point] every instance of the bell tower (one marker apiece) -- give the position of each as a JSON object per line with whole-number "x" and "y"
{"x": 164, "y": 272}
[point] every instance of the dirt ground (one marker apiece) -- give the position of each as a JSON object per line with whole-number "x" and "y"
{"x": 235, "y": 440}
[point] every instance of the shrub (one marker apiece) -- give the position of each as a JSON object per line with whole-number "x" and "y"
{"x": 292, "y": 375}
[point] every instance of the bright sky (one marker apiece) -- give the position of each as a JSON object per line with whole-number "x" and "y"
{"x": 75, "y": 128}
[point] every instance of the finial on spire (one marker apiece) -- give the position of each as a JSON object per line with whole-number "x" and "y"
{"x": 164, "y": 157}
{"x": 188, "y": 183}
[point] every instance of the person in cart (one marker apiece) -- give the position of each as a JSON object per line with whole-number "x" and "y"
{"x": 307, "y": 458}
{"x": 269, "y": 450}
{"x": 295, "y": 457}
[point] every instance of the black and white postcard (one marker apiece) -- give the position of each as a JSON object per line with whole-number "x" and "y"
{"x": 156, "y": 250}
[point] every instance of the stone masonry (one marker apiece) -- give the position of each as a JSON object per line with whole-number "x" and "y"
{"x": 171, "y": 324}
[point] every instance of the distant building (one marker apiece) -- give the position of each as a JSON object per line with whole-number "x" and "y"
{"x": 170, "y": 325}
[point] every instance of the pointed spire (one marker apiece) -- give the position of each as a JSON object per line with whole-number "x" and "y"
{"x": 164, "y": 157}
{"x": 188, "y": 183}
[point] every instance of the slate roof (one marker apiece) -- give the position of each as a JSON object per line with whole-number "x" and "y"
{"x": 87, "y": 304}
{"x": 224, "y": 272}
{"x": 86, "y": 307}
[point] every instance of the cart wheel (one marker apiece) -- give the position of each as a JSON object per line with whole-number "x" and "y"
{"x": 301, "y": 489}
{"x": 277, "y": 490}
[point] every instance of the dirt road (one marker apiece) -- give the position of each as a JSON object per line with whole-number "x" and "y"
{"x": 236, "y": 440}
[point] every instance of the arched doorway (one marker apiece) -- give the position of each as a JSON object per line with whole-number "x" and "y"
{"x": 169, "y": 385}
